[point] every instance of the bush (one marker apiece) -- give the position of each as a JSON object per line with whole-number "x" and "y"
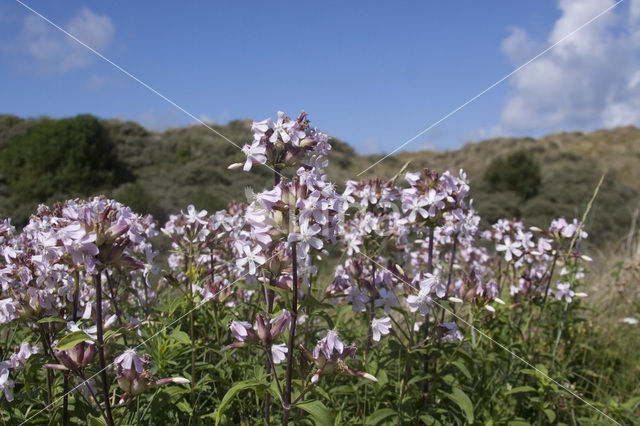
{"x": 73, "y": 156}
{"x": 519, "y": 172}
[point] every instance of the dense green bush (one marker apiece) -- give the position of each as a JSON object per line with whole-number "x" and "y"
{"x": 519, "y": 172}
{"x": 71, "y": 155}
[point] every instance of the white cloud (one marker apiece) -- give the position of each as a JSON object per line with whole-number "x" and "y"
{"x": 590, "y": 80}
{"x": 44, "y": 49}
{"x": 517, "y": 46}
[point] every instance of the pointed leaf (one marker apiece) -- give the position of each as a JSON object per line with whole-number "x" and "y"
{"x": 463, "y": 401}
{"x": 231, "y": 393}
{"x": 318, "y": 412}
{"x": 378, "y": 416}
{"x": 180, "y": 336}
{"x": 51, "y": 319}
{"x": 521, "y": 389}
{"x": 72, "y": 339}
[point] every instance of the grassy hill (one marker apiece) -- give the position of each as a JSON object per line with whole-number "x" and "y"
{"x": 162, "y": 172}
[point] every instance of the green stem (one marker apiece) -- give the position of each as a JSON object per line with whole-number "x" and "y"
{"x": 268, "y": 295}
{"x": 557, "y": 342}
{"x": 187, "y": 271}
{"x": 451, "y": 262}
{"x": 100, "y": 342}
{"x": 372, "y": 312}
{"x": 292, "y": 336}
{"x": 425, "y": 386}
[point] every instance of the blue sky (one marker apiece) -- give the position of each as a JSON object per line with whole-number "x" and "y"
{"x": 371, "y": 73}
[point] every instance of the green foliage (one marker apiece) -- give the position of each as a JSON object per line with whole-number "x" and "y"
{"x": 71, "y": 155}
{"x": 183, "y": 153}
{"x": 518, "y": 172}
{"x": 136, "y": 196}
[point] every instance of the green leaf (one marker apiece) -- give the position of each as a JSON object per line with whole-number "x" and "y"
{"x": 109, "y": 334}
{"x": 184, "y": 406}
{"x": 463, "y": 402}
{"x": 377, "y": 417}
{"x": 629, "y": 404}
{"x": 318, "y": 411}
{"x": 429, "y": 420}
{"x": 51, "y": 319}
{"x": 72, "y": 339}
{"x": 180, "y": 336}
{"x": 551, "y": 415}
{"x": 95, "y": 421}
{"x": 175, "y": 304}
{"x": 521, "y": 389}
{"x": 463, "y": 369}
{"x": 231, "y": 393}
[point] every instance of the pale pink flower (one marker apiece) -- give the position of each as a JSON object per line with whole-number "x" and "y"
{"x": 255, "y": 155}
{"x": 279, "y": 352}
{"x": 130, "y": 360}
{"x": 380, "y": 327}
{"x": 6, "y": 384}
{"x": 510, "y": 248}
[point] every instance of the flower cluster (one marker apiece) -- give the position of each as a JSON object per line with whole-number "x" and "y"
{"x": 134, "y": 377}
{"x": 204, "y": 245}
{"x": 282, "y": 143}
{"x": 329, "y": 355}
{"x": 16, "y": 361}
{"x": 52, "y": 260}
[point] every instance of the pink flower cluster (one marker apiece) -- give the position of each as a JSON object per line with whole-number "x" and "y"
{"x": 62, "y": 247}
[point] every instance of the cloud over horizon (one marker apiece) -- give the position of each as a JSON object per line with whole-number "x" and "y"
{"x": 45, "y": 50}
{"x": 590, "y": 80}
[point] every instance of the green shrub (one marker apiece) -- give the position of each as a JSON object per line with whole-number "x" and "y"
{"x": 71, "y": 156}
{"x": 518, "y": 172}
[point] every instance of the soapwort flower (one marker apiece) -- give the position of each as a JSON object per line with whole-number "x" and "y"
{"x": 134, "y": 377}
{"x": 329, "y": 357}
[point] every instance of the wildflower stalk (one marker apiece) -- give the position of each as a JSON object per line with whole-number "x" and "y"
{"x": 65, "y": 401}
{"x": 47, "y": 350}
{"x": 267, "y": 397}
{"x": 191, "y": 326}
{"x": 65, "y": 384}
{"x": 100, "y": 341}
{"x": 292, "y": 335}
{"x": 215, "y": 304}
{"x": 451, "y": 261}
{"x": 407, "y": 365}
{"x": 272, "y": 367}
{"x": 269, "y": 295}
{"x": 546, "y": 291}
{"x": 113, "y": 296}
{"x": 93, "y": 395}
{"x": 371, "y": 311}
{"x": 425, "y": 386}
{"x": 586, "y": 214}
{"x": 559, "y": 334}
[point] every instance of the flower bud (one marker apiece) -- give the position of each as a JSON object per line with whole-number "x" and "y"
{"x": 124, "y": 383}
{"x": 76, "y": 353}
{"x": 263, "y": 331}
{"x": 66, "y": 360}
{"x": 89, "y": 353}
{"x": 306, "y": 142}
{"x": 138, "y": 385}
{"x": 288, "y": 194}
{"x": 279, "y": 325}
